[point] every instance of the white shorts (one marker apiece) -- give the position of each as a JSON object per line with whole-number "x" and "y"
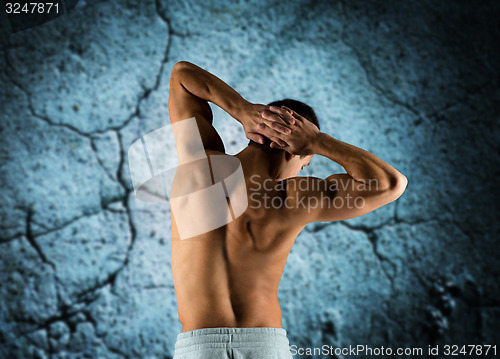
{"x": 233, "y": 343}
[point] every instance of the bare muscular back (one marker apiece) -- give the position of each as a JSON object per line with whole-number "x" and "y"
{"x": 229, "y": 277}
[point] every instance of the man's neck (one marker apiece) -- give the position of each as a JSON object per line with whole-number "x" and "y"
{"x": 261, "y": 161}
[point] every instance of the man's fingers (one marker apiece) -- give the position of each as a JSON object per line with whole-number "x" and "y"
{"x": 277, "y": 110}
{"x": 260, "y": 139}
{"x": 255, "y": 137}
{"x": 284, "y": 113}
{"x": 294, "y": 114}
{"x": 287, "y": 109}
{"x": 280, "y": 128}
{"x": 278, "y": 142}
{"x": 275, "y": 122}
{"x": 278, "y": 115}
{"x": 289, "y": 118}
{"x": 267, "y": 131}
{"x": 272, "y": 134}
{"x": 274, "y": 114}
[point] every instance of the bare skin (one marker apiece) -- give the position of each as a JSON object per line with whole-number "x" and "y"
{"x": 229, "y": 277}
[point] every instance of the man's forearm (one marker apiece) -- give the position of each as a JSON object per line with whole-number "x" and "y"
{"x": 208, "y": 87}
{"x": 360, "y": 164}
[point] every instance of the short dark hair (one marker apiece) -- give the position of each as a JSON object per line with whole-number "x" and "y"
{"x": 301, "y": 108}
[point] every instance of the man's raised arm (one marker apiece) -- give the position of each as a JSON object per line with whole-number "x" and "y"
{"x": 363, "y": 166}
{"x": 369, "y": 183}
{"x": 191, "y": 87}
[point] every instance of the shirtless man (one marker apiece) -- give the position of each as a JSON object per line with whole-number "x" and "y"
{"x": 226, "y": 279}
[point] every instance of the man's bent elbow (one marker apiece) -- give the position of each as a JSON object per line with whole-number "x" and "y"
{"x": 179, "y": 67}
{"x": 398, "y": 185}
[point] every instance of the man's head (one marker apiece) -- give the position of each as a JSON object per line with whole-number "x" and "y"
{"x": 293, "y": 164}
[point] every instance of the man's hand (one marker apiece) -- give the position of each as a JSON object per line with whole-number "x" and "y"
{"x": 257, "y": 126}
{"x": 303, "y": 135}
{"x": 191, "y": 88}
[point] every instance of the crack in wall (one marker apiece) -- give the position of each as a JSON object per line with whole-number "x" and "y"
{"x": 366, "y": 66}
{"x": 126, "y": 205}
{"x": 50, "y": 230}
{"x": 99, "y": 161}
{"x": 119, "y": 172}
{"x": 146, "y": 93}
{"x": 32, "y": 241}
{"x": 420, "y": 116}
{"x": 372, "y": 238}
{"x": 66, "y": 311}
{"x": 80, "y": 304}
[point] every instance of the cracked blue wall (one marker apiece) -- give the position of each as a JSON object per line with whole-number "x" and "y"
{"x": 85, "y": 267}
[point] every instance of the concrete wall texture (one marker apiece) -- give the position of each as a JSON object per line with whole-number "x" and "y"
{"x": 85, "y": 266}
